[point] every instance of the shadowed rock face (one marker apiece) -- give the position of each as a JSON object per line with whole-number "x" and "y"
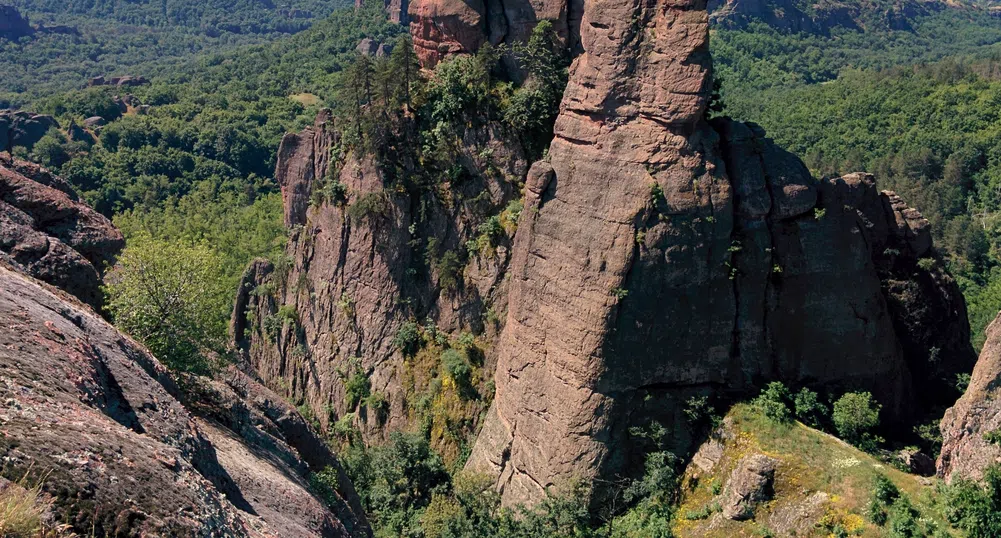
{"x": 662, "y": 257}
{"x": 12, "y": 25}
{"x": 55, "y": 237}
{"x": 965, "y": 452}
{"x": 123, "y": 451}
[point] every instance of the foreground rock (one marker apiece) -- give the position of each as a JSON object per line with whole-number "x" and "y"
{"x": 966, "y": 453}
{"x": 94, "y": 418}
{"x": 55, "y": 237}
{"x": 661, "y": 257}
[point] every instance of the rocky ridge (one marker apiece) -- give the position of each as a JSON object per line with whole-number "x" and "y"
{"x": 122, "y": 450}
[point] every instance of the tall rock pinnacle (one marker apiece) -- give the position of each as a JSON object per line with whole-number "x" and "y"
{"x": 661, "y": 257}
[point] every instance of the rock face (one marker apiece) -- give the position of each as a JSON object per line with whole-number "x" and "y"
{"x": 12, "y": 25}
{"x": 56, "y": 238}
{"x": 662, "y": 257}
{"x": 357, "y": 269}
{"x": 965, "y": 452}
{"x": 749, "y": 485}
{"x": 441, "y": 28}
{"x": 126, "y": 452}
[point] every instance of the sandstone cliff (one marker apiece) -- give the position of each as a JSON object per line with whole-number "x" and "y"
{"x": 446, "y": 27}
{"x": 121, "y": 450}
{"x": 966, "y": 452}
{"x": 356, "y": 270}
{"x": 662, "y": 257}
{"x": 47, "y": 230}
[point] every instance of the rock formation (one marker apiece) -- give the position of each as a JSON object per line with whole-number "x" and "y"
{"x": 12, "y": 25}
{"x": 45, "y": 229}
{"x": 441, "y": 28}
{"x": 659, "y": 257}
{"x": 966, "y": 453}
{"x": 20, "y": 128}
{"x": 122, "y": 450}
{"x": 662, "y": 257}
{"x": 749, "y": 485}
{"x": 357, "y": 269}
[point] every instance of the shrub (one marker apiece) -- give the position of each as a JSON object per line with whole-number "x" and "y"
{"x": 884, "y": 490}
{"x": 855, "y": 417}
{"x": 325, "y": 484}
{"x": 457, "y": 368}
{"x": 902, "y": 520}
{"x": 172, "y": 297}
{"x": 356, "y": 388}
{"x": 378, "y": 404}
{"x": 976, "y": 507}
{"x": 369, "y": 205}
{"x": 449, "y": 268}
{"x": 408, "y": 339}
{"x": 809, "y": 409}
{"x": 774, "y": 402}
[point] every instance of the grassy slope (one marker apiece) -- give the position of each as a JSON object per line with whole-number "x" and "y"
{"x": 810, "y": 461}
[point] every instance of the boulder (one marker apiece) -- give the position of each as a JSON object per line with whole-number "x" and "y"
{"x": 94, "y": 122}
{"x": 750, "y": 484}
{"x": 916, "y": 462}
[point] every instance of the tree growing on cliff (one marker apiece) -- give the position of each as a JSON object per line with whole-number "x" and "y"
{"x": 170, "y": 297}
{"x": 533, "y": 107}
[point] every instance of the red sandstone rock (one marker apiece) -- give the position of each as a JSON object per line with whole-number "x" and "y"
{"x": 125, "y": 451}
{"x": 56, "y": 238}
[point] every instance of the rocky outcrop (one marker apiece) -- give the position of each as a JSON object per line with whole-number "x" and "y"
{"x": 750, "y": 484}
{"x": 363, "y": 261}
{"x": 13, "y": 26}
{"x": 124, "y": 451}
{"x": 967, "y": 447}
{"x": 45, "y": 229}
{"x": 441, "y": 28}
{"x": 20, "y": 128}
{"x": 662, "y": 257}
